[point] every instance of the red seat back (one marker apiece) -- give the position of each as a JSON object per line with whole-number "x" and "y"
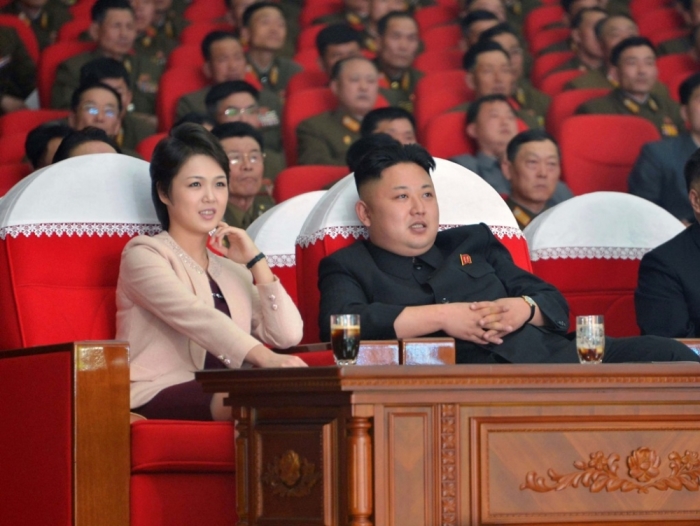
{"x": 445, "y": 135}
{"x": 145, "y": 147}
{"x": 25, "y": 33}
{"x": 438, "y": 60}
{"x": 658, "y": 20}
{"x": 671, "y": 66}
{"x": 539, "y": 18}
{"x": 297, "y": 180}
{"x": 11, "y": 174}
{"x": 554, "y": 83}
{"x": 565, "y": 104}
{"x": 435, "y": 15}
{"x": 544, "y": 39}
{"x": 174, "y": 83}
{"x": 437, "y": 93}
{"x": 51, "y": 58}
{"x": 71, "y": 31}
{"x": 441, "y": 37}
{"x": 26, "y": 120}
{"x": 189, "y": 55}
{"x": 544, "y": 64}
{"x": 307, "y": 80}
{"x": 193, "y": 34}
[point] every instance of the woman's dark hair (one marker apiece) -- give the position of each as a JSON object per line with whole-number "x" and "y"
{"x": 77, "y": 137}
{"x": 376, "y": 160}
{"x": 171, "y": 153}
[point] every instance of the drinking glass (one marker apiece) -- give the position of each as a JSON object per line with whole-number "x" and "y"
{"x": 345, "y": 338}
{"x": 590, "y": 338}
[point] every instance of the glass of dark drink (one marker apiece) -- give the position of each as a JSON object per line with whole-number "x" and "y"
{"x": 590, "y": 338}
{"x": 345, "y": 338}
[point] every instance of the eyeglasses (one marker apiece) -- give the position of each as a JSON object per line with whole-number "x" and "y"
{"x": 252, "y": 157}
{"x": 233, "y": 111}
{"x": 109, "y": 113}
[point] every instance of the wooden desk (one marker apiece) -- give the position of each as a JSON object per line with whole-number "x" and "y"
{"x": 459, "y": 445}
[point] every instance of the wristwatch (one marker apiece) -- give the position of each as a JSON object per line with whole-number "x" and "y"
{"x": 532, "y": 305}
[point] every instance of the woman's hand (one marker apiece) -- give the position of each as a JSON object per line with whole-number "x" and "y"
{"x": 261, "y": 356}
{"x": 241, "y": 248}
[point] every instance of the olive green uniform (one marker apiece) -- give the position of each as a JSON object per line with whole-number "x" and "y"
{"x": 532, "y": 100}
{"x": 325, "y": 138}
{"x": 144, "y": 71}
{"x": 400, "y": 92}
{"x": 557, "y": 47}
{"x": 155, "y": 44}
{"x": 572, "y": 63}
{"x": 664, "y": 114}
{"x": 46, "y": 25}
{"x": 595, "y": 78}
{"x": 242, "y": 219}
{"x": 522, "y": 215}
{"x": 276, "y": 78}
{"x": 531, "y": 121}
{"x": 172, "y": 26}
{"x": 344, "y": 17}
{"x": 17, "y": 69}
{"x": 134, "y": 130}
{"x": 677, "y": 45}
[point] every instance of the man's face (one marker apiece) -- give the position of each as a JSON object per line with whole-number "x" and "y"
{"x": 379, "y": 8}
{"x": 492, "y": 74}
{"x": 584, "y": 36}
{"x": 99, "y": 108}
{"x": 246, "y": 165}
{"x": 336, "y": 52}
{"x": 399, "y": 45}
{"x": 357, "y": 86}
{"x": 120, "y": 86}
{"x": 534, "y": 174}
{"x": 492, "y": 6}
{"x": 637, "y": 70}
{"x": 239, "y": 107}
{"x": 116, "y": 34}
{"x": 512, "y": 45}
{"x": 227, "y": 61}
{"x": 400, "y": 129}
{"x": 359, "y": 7}
{"x": 144, "y": 14}
{"x": 400, "y": 210}
{"x": 267, "y": 29}
{"x": 616, "y": 29}
{"x": 494, "y": 127}
{"x": 691, "y": 111}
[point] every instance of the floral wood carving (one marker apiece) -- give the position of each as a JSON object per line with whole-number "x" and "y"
{"x": 290, "y": 475}
{"x": 601, "y": 473}
{"x": 448, "y": 463}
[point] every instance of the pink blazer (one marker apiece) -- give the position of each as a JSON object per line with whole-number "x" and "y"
{"x": 165, "y": 310}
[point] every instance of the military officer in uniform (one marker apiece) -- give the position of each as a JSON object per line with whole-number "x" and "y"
{"x": 354, "y": 14}
{"x": 397, "y": 123}
{"x": 44, "y": 18}
{"x": 336, "y": 42}
{"x": 325, "y": 138}
{"x": 377, "y": 10}
{"x": 150, "y": 41}
{"x": 634, "y": 68}
{"x": 474, "y": 25}
{"x": 244, "y": 147}
{"x": 397, "y": 47}
{"x": 168, "y": 22}
{"x": 17, "y": 71}
{"x": 586, "y": 46}
{"x": 690, "y": 9}
{"x": 114, "y": 31}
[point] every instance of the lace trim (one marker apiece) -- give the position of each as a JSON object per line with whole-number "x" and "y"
{"x": 79, "y": 229}
{"x": 281, "y": 260}
{"x": 589, "y": 253}
{"x": 360, "y": 231}
{"x": 214, "y": 265}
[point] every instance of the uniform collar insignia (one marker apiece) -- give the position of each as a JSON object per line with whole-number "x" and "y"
{"x": 351, "y": 124}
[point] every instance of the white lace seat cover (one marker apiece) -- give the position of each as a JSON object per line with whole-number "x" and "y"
{"x": 62, "y": 230}
{"x": 463, "y": 197}
{"x": 275, "y": 233}
{"x": 590, "y": 246}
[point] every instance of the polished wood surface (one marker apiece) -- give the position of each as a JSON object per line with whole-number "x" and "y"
{"x": 469, "y": 444}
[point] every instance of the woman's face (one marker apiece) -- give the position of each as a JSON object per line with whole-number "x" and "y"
{"x": 198, "y": 196}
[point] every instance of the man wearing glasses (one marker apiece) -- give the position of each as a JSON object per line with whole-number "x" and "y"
{"x": 237, "y": 101}
{"x": 247, "y": 199}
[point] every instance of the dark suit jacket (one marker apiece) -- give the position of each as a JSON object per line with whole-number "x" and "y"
{"x": 667, "y": 299}
{"x": 377, "y": 284}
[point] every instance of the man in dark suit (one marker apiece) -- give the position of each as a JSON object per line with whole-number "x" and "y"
{"x": 667, "y": 299}
{"x": 409, "y": 281}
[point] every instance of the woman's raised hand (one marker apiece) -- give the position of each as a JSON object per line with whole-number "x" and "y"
{"x": 241, "y": 248}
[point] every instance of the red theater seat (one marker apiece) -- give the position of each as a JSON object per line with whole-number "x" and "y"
{"x": 145, "y": 147}
{"x": 297, "y": 180}
{"x": 544, "y": 39}
{"x": 538, "y": 18}
{"x": 441, "y": 37}
{"x": 51, "y": 58}
{"x": 439, "y": 92}
{"x": 25, "y": 33}
{"x": 438, "y": 60}
{"x": 544, "y": 64}
{"x": 565, "y": 104}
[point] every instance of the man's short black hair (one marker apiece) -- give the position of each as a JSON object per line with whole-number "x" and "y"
{"x": 222, "y": 90}
{"x": 102, "y": 68}
{"x": 471, "y": 56}
{"x": 692, "y": 170}
{"x": 80, "y": 90}
{"x": 383, "y": 22}
{"x": 600, "y": 26}
{"x": 77, "y": 137}
{"x": 240, "y": 130}
{"x": 376, "y": 160}
{"x": 252, "y": 9}
{"x": 334, "y": 35}
{"x": 502, "y": 28}
{"x": 524, "y": 137}
{"x": 211, "y": 39}
{"x": 337, "y": 68}
{"x": 479, "y": 15}
{"x": 686, "y": 89}
{"x": 195, "y": 117}
{"x": 627, "y": 43}
{"x": 38, "y": 140}
{"x": 99, "y": 10}
{"x": 390, "y": 113}
{"x": 567, "y": 4}
{"x": 475, "y": 107}
{"x": 686, "y": 4}
{"x": 364, "y": 145}
{"x": 578, "y": 17}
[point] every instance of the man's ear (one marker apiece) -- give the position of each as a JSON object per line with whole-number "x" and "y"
{"x": 334, "y": 87}
{"x": 71, "y": 119}
{"x": 507, "y": 169}
{"x": 363, "y": 214}
{"x": 576, "y": 37}
{"x": 94, "y": 31}
{"x": 469, "y": 79}
{"x": 684, "y": 114}
{"x": 694, "y": 196}
{"x": 615, "y": 74}
{"x": 206, "y": 69}
{"x": 471, "y": 130}
{"x": 245, "y": 35}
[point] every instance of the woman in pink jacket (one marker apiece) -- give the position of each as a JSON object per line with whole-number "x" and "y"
{"x": 183, "y": 308}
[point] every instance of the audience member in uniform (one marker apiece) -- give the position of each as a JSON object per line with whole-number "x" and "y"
{"x": 397, "y": 47}
{"x": 245, "y": 148}
{"x": 658, "y": 173}
{"x": 395, "y": 122}
{"x": 17, "y": 72}
{"x": 473, "y": 25}
{"x": 667, "y": 299}
{"x": 336, "y": 42}
{"x": 168, "y": 21}
{"x": 149, "y": 40}
{"x": 634, "y": 69}
{"x": 44, "y": 17}
{"x": 135, "y": 127}
{"x": 237, "y": 101}
{"x": 43, "y": 141}
{"x": 690, "y": 9}
{"x": 325, "y": 138}
{"x": 96, "y": 105}
{"x": 85, "y": 141}
{"x": 234, "y": 13}
{"x": 354, "y": 14}
{"x": 532, "y": 166}
{"x": 588, "y": 53}
{"x": 114, "y": 31}
{"x": 377, "y": 10}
